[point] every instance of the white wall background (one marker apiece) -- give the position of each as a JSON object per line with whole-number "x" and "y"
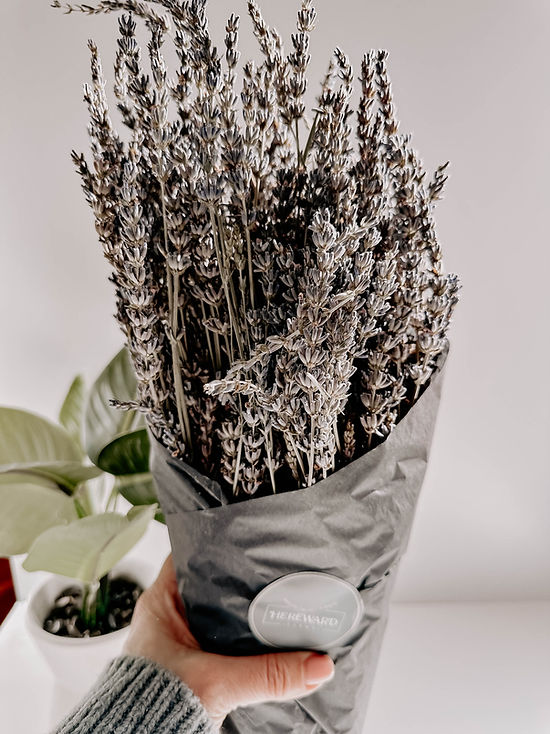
{"x": 472, "y": 82}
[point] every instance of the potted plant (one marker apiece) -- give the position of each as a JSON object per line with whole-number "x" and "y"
{"x": 280, "y": 285}
{"x": 59, "y": 484}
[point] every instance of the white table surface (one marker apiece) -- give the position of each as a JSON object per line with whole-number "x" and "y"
{"x": 473, "y": 668}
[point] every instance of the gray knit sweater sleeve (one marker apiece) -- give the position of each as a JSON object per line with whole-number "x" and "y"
{"x": 136, "y": 696}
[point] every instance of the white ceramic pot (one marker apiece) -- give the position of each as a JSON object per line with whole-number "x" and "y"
{"x": 77, "y": 662}
{"x": 24, "y": 581}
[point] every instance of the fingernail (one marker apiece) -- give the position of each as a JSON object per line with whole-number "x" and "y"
{"x": 318, "y": 668}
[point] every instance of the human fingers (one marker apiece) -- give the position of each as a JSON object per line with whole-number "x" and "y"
{"x": 224, "y": 683}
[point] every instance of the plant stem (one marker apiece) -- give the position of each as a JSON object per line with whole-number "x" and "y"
{"x": 311, "y": 450}
{"x": 89, "y": 604}
{"x": 177, "y": 311}
{"x": 238, "y": 464}
{"x": 269, "y": 451}
{"x": 112, "y": 499}
{"x": 336, "y": 435}
{"x": 228, "y": 348}
{"x": 220, "y": 254}
{"x": 249, "y": 256}
{"x": 103, "y": 596}
{"x": 79, "y": 507}
{"x": 208, "y": 339}
{"x": 95, "y": 601}
{"x": 297, "y": 454}
{"x": 181, "y": 403}
{"x": 297, "y": 135}
{"x": 310, "y": 139}
{"x": 234, "y": 300}
{"x": 164, "y": 217}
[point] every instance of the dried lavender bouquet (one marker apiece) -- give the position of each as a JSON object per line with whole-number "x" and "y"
{"x": 280, "y": 285}
{"x": 278, "y": 276}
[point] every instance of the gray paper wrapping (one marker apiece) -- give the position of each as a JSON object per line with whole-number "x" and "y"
{"x": 355, "y": 524}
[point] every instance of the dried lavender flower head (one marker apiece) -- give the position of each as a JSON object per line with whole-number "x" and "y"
{"x": 277, "y": 274}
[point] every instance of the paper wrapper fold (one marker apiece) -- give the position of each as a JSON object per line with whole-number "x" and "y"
{"x": 355, "y": 524}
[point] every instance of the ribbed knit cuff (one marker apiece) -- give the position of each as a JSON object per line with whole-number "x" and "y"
{"x": 136, "y": 696}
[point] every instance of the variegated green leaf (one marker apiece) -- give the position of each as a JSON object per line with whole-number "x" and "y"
{"x": 103, "y": 423}
{"x": 88, "y": 548}
{"x": 29, "y": 506}
{"x": 71, "y": 415}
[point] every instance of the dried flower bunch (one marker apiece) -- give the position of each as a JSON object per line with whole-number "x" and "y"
{"x": 278, "y": 278}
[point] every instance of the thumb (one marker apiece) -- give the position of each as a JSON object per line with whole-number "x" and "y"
{"x": 274, "y": 677}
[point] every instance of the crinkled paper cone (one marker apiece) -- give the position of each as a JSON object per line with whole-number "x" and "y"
{"x": 355, "y": 524}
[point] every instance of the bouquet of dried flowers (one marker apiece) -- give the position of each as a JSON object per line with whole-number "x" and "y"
{"x": 277, "y": 273}
{"x": 282, "y": 294}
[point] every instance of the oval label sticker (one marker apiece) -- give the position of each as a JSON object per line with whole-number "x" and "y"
{"x": 305, "y": 610}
